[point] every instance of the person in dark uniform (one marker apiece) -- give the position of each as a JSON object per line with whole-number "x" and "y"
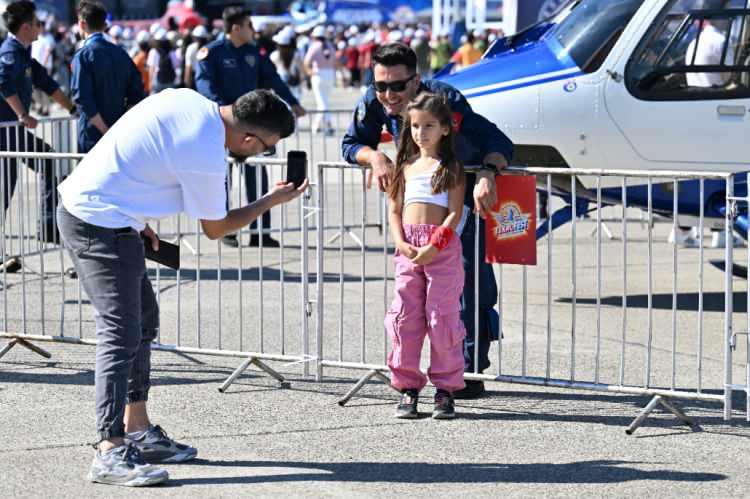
{"x": 19, "y": 73}
{"x": 105, "y": 81}
{"x": 478, "y": 142}
{"x": 230, "y": 67}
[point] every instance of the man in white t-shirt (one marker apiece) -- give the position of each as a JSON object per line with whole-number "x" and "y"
{"x": 710, "y": 45}
{"x": 163, "y": 157}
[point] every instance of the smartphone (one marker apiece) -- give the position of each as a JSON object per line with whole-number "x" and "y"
{"x": 168, "y": 254}
{"x": 296, "y": 167}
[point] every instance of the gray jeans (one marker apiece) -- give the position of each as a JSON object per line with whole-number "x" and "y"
{"x": 112, "y": 271}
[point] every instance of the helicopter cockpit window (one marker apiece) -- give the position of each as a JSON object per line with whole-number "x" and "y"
{"x": 592, "y": 27}
{"x": 696, "y": 50}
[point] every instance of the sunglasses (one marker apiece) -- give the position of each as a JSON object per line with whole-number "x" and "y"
{"x": 267, "y": 149}
{"x": 393, "y": 86}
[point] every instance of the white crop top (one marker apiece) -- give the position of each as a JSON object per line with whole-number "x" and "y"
{"x": 418, "y": 189}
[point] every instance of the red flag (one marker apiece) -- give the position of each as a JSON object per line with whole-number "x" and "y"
{"x": 511, "y": 229}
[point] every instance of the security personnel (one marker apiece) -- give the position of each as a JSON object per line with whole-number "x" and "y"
{"x": 105, "y": 81}
{"x": 227, "y": 69}
{"x": 18, "y": 72}
{"x": 478, "y": 142}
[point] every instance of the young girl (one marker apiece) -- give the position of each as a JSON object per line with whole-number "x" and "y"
{"x": 426, "y": 202}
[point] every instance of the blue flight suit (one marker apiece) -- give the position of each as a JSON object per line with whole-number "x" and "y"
{"x": 18, "y": 73}
{"x": 224, "y": 74}
{"x": 476, "y": 138}
{"x": 105, "y": 81}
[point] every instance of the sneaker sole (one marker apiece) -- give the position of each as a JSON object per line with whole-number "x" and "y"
{"x": 407, "y": 416}
{"x": 141, "y": 481}
{"x": 444, "y": 416}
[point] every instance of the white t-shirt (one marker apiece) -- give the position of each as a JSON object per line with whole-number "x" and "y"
{"x": 163, "y": 157}
{"x": 710, "y": 49}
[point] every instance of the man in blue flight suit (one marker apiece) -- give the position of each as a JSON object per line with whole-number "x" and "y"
{"x": 478, "y": 142}
{"x": 18, "y": 73}
{"x": 105, "y": 81}
{"x": 227, "y": 69}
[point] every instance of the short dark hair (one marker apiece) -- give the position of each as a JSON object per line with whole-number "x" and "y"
{"x": 19, "y": 13}
{"x": 94, "y": 13}
{"x": 393, "y": 54}
{"x": 265, "y": 110}
{"x": 234, "y": 15}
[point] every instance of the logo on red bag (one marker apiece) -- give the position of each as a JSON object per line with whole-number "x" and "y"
{"x": 510, "y": 221}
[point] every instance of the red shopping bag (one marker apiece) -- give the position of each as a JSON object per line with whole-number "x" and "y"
{"x": 511, "y": 229}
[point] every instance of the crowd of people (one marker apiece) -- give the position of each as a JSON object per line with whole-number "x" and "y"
{"x": 315, "y": 60}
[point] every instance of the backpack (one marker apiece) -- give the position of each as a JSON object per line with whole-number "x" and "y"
{"x": 166, "y": 73}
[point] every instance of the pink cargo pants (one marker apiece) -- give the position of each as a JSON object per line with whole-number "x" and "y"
{"x": 427, "y": 302}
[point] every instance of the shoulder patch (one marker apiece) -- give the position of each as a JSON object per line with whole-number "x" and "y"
{"x": 202, "y": 53}
{"x": 361, "y": 111}
{"x": 7, "y": 58}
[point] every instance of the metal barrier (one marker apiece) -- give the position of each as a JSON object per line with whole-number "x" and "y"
{"x": 209, "y": 272}
{"x": 561, "y": 349}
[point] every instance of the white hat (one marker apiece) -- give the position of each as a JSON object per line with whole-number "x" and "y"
{"x": 353, "y": 29}
{"x": 160, "y": 35}
{"x": 341, "y": 45}
{"x": 199, "y": 31}
{"x": 492, "y": 37}
{"x": 154, "y": 28}
{"x": 127, "y": 33}
{"x": 142, "y": 37}
{"x": 420, "y": 33}
{"x": 408, "y": 33}
{"x": 172, "y": 36}
{"x": 352, "y": 42}
{"x": 284, "y": 37}
{"x": 395, "y": 36}
{"x": 318, "y": 32}
{"x": 115, "y": 31}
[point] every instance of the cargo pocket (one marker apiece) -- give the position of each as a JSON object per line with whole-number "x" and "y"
{"x": 393, "y": 318}
{"x": 447, "y": 328}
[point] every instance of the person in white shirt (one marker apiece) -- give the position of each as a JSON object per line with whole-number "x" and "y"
{"x": 710, "y": 45}
{"x": 165, "y": 156}
{"x": 200, "y": 36}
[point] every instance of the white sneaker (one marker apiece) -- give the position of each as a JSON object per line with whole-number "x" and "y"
{"x": 684, "y": 238}
{"x": 124, "y": 465}
{"x": 719, "y": 240}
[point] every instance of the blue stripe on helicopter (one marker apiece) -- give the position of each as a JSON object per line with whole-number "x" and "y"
{"x": 468, "y": 94}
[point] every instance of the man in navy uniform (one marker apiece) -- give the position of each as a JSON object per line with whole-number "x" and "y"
{"x": 18, "y": 74}
{"x": 105, "y": 81}
{"x": 478, "y": 142}
{"x": 227, "y": 69}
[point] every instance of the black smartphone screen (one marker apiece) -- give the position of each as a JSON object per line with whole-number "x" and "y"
{"x": 296, "y": 167}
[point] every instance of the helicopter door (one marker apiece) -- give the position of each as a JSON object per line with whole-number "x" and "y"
{"x": 685, "y": 95}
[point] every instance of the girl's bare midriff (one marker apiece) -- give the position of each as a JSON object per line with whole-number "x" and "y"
{"x": 424, "y": 213}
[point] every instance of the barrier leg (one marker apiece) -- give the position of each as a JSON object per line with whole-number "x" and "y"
{"x": 262, "y": 366}
{"x": 18, "y": 341}
{"x": 362, "y": 381}
{"x": 659, "y": 400}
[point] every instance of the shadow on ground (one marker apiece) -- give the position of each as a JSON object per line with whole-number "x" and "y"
{"x": 583, "y": 472}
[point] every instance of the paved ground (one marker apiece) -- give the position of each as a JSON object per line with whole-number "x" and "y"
{"x": 261, "y": 440}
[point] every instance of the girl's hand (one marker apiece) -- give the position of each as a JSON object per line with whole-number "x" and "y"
{"x": 425, "y": 255}
{"x": 406, "y": 249}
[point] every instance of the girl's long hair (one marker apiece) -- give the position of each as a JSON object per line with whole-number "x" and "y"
{"x": 450, "y": 172}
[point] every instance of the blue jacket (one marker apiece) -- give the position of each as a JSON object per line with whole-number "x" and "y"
{"x": 105, "y": 81}
{"x": 225, "y": 73}
{"x": 18, "y": 72}
{"x": 476, "y": 137}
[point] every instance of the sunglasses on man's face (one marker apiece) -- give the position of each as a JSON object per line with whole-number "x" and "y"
{"x": 268, "y": 150}
{"x": 393, "y": 86}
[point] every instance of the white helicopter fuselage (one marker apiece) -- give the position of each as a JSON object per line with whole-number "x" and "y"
{"x": 594, "y": 119}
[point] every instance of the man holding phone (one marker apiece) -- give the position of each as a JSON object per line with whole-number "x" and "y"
{"x": 163, "y": 157}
